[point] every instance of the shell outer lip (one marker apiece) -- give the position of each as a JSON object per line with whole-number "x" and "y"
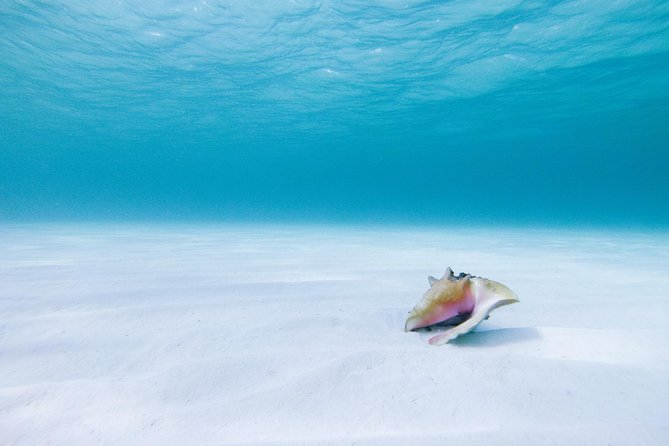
{"x": 468, "y": 325}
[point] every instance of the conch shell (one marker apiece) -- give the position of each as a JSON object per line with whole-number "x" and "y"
{"x": 462, "y": 302}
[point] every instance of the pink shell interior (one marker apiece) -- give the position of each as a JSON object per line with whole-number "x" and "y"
{"x": 442, "y": 312}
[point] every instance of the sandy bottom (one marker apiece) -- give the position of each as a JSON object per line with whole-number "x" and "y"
{"x": 225, "y": 335}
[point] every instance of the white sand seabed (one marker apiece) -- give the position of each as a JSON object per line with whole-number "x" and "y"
{"x": 222, "y": 335}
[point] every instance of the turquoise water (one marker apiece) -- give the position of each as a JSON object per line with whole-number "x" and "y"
{"x": 381, "y": 111}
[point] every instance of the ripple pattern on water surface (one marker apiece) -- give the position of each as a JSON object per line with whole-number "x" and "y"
{"x": 239, "y": 66}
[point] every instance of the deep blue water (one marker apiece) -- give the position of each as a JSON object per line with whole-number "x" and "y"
{"x": 389, "y": 111}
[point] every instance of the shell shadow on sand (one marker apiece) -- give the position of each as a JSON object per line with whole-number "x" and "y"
{"x": 497, "y": 337}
